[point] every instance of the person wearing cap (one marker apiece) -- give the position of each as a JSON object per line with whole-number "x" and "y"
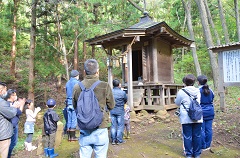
{"x": 31, "y": 114}
{"x": 6, "y": 114}
{"x": 69, "y": 112}
{"x": 18, "y": 104}
{"x": 50, "y": 120}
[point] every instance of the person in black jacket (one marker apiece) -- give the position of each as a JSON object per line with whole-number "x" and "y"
{"x": 50, "y": 120}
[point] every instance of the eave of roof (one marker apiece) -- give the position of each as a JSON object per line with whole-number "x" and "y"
{"x": 225, "y": 47}
{"x": 146, "y": 27}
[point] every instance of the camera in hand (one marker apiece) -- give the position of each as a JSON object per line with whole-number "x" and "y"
{"x": 177, "y": 112}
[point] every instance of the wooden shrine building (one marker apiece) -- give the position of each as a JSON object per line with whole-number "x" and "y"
{"x": 147, "y": 62}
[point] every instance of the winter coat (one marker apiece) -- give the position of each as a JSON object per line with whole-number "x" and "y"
{"x": 50, "y": 120}
{"x": 182, "y": 97}
{"x": 207, "y": 105}
{"x": 103, "y": 92}
{"x": 120, "y": 98}
{"x": 6, "y": 114}
{"x": 69, "y": 90}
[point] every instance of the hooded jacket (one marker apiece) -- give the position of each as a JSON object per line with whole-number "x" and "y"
{"x": 182, "y": 97}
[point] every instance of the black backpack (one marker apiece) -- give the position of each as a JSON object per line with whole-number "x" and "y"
{"x": 195, "y": 109}
{"x": 89, "y": 114}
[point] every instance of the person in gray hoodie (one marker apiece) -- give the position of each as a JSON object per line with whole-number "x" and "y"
{"x": 6, "y": 114}
{"x": 191, "y": 130}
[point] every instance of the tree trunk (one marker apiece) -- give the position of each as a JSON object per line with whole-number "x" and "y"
{"x": 208, "y": 39}
{"x": 62, "y": 45}
{"x": 237, "y": 18}
{"x": 187, "y": 8}
{"x": 211, "y": 22}
{"x": 14, "y": 40}
{"x": 32, "y": 50}
{"x": 223, "y": 21}
{"x": 75, "y": 60}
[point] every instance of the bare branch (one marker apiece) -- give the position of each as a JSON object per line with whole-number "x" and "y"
{"x": 136, "y": 6}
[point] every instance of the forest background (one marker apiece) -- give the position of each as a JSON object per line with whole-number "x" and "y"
{"x": 43, "y": 40}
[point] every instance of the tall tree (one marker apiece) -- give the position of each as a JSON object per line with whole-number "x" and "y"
{"x": 32, "y": 50}
{"x": 211, "y": 22}
{"x": 187, "y": 8}
{"x": 14, "y": 39}
{"x": 223, "y": 21}
{"x": 208, "y": 39}
{"x": 237, "y": 18}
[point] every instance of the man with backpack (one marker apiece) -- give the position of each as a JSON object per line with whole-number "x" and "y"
{"x": 191, "y": 127}
{"x": 93, "y": 135}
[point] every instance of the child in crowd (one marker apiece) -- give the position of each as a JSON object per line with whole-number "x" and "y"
{"x": 31, "y": 115}
{"x": 127, "y": 121}
{"x": 50, "y": 120}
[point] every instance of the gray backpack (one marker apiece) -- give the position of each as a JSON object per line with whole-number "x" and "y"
{"x": 89, "y": 114}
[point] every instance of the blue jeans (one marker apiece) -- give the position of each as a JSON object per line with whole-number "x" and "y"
{"x": 96, "y": 140}
{"x": 71, "y": 119}
{"x": 14, "y": 140}
{"x": 192, "y": 139}
{"x": 65, "y": 115}
{"x": 206, "y": 133}
{"x": 117, "y": 127}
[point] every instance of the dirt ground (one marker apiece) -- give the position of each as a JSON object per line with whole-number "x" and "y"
{"x": 163, "y": 139}
{"x": 157, "y": 138}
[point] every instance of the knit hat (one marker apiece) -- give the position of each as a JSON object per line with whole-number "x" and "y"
{"x": 51, "y": 103}
{"x": 74, "y": 73}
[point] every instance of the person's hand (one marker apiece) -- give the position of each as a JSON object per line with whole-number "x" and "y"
{"x": 70, "y": 108}
{"x": 37, "y": 109}
{"x": 21, "y": 102}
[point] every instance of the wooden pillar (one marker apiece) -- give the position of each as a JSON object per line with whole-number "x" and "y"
{"x": 154, "y": 59}
{"x": 123, "y": 67}
{"x": 130, "y": 78}
{"x": 93, "y": 51}
{"x": 220, "y": 82}
{"x": 110, "y": 67}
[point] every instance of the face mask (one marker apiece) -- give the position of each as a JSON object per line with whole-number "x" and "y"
{"x": 3, "y": 95}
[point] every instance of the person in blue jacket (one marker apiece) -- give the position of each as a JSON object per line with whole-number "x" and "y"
{"x": 207, "y": 97}
{"x": 117, "y": 113}
{"x": 68, "y": 111}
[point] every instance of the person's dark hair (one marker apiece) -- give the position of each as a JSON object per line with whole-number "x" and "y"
{"x": 202, "y": 79}
{"x": 10, "y": 92}
{"x": 91, "y": 67}
{"x": 189, "y": 80}
{"x": 116, "y": 83}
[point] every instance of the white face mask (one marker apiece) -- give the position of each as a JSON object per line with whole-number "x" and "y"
{"x": 3, "y": 95}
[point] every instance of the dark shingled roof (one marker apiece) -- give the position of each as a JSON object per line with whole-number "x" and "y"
{"x": 144, "y": 23}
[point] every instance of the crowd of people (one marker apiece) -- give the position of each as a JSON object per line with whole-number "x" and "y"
{"x": 197, "y": 134}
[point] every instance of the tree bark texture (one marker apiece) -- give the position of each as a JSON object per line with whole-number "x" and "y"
{"x": 237, "y": 18}
{"x": 208, "y": 39}
{"x": 223, "y": 22}
{"x": 32, "y": 51}
{"x": 211, "y": 22}
{"x": 14, "y": 40}
{"x": 187, "y": 8}
{"x": 75, "y": 60}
